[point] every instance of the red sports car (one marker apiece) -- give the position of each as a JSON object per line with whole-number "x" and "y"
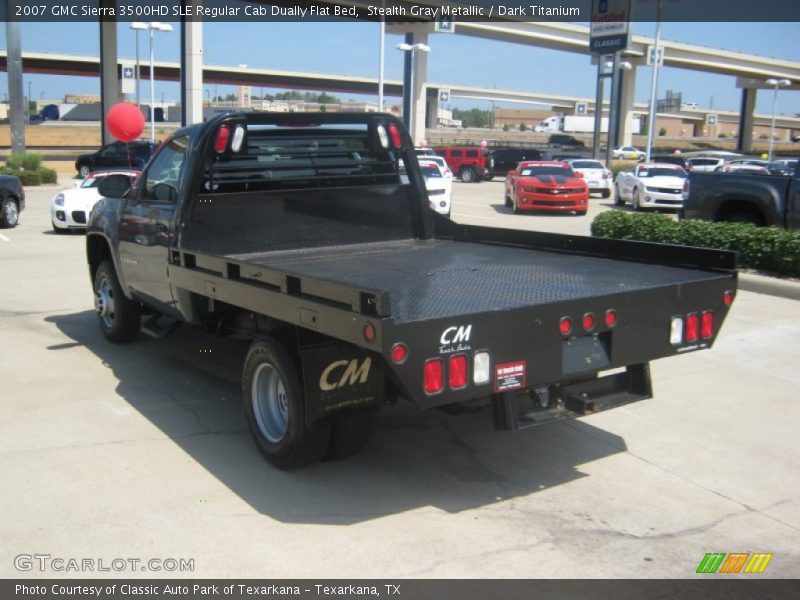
{"x": 546, "y": 186}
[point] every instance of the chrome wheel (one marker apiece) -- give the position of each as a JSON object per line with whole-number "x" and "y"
{"x": 83, "y": 171}
{"x": 270, "y": 402}
{"x": 104, "y": 303}
{"x": 11, "y": 213}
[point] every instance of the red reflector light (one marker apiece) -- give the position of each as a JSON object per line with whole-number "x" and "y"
{"x": 727, "y": 298}
{"x": 434, "y": 376}
{"x": 588, "y": 322}
{"x": 611, "y": 318}
{"x": 707, "y": 325}
{"x": 565, "y": 326}
{"x": 223, "y": 135}
{"x": 457, "y": 371}
{"x": 369, "y": 332}
{"x": 394, "y": 134}
{"x": 399, "y": 353}
{"x": 692, "y": 328}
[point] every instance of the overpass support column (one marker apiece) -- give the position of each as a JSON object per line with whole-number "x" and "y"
{"x": 109, "y": 73}
{"x": 431, "y": 112}
{"x": 191, "y": 69}
{"x": 744, "y": 142}
{"x": 626, "y": 99}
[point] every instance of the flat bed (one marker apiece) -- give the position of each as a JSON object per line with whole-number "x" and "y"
{"x": 434, "y": 279}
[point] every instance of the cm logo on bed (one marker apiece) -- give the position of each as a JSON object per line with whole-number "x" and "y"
{"x": 342, "y": 373}
{"x": 456, "y": 335}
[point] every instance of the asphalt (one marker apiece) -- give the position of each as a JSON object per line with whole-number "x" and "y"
{"x": 141, "y": 451}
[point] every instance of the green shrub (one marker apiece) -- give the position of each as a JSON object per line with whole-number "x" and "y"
{"x": 48, "y": 175}
{"x": 764, "y": 248}
{"x": 662, "y": 132}
{"x": 30, "y": 178}
{"x": 30, "y": 161}
{"x": 506, "y": 127}
{"x": 620, "y": 165}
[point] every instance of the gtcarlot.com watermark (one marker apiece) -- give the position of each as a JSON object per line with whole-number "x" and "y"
{"x": 57, "y": 564}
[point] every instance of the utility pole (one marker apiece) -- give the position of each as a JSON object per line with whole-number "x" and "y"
{"x": 15, "y": 91}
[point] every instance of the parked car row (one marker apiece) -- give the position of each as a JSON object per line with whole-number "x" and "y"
{"x": 70, "y": 208}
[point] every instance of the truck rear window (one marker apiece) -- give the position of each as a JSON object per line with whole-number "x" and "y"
{"x": 314, "y": 156}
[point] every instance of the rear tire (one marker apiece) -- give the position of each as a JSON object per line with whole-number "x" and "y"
{"x": 468, "y": 175}
{"x": 580, "y": 213}
{"x": 9, "y": 213}
{"x": 606, "y": 193}
{"x": 348, "y": 436}
{"x": 274, "y": 404}
{"x": 119, "y": 317}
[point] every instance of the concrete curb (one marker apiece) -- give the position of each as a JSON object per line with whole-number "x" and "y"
{"x": 771, "y": 286}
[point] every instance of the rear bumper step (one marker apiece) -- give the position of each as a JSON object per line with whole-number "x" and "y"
{"x": 533, "y": 407}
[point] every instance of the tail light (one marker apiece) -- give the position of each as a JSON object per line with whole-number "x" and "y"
{"x": 727, "y": 298}
{"x": 434, "y": 376}
{"x": 565, "y": 326}
{"x": 611, "y": 318}
{"x": 369, "y": 332}
{"x": 238, "y": 138}
{"x": 457, "y": 371}
{"x": 707, "y": 325}
{"x": 221, "y": 141}
{"x": 692, "y": 328}
{"x": 676, "y": 331}
{"x": 383, "y": 137}
{"x": 588, "y": 322}
{"x": 481, "y": 368}
{"x": 399, "y": 353}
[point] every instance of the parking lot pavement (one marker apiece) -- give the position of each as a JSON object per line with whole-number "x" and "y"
{"x": 484, "y": 204}
{"x": 141, "y": 451}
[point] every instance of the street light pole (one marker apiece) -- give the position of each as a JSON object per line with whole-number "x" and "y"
{"x": 382, "y": 43}
{"x": 137, "y": 27}
{"x": 776, "y": 83}
{"x": 153, "y": 27}
{"x": 651, "y": 118}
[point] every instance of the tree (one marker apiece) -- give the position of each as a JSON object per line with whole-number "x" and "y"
{"x": 523, "y": 127}
{"x": 506, "y": 127}
{"x": 662, "y": 132}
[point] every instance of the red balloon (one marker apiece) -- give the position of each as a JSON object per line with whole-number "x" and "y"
{"x": 125, "y": 122}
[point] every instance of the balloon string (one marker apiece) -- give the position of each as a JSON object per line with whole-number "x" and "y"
{"x": 128, "y": 148}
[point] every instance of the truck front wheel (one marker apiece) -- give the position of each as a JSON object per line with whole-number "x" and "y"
{"x": 119, "y": 318}
{"x": 275, "y": 408}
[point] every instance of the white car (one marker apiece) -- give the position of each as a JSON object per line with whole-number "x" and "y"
{"x": 705, "y": 163}
{"x": 657, "y": 185}
{"x": 599, "y": 179}
{"x": 627, "y": 153}
{"x": 440, "y": 190}
{"x": 448, "y": 174}
{"x": 70, "y": 208}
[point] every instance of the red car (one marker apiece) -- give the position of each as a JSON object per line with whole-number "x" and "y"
{"x": 546, "y": 186}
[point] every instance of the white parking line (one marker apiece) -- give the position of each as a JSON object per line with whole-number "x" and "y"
{"x": 4, "y": 238}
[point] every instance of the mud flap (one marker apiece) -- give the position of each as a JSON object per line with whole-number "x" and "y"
{"x": 340, "y": 378}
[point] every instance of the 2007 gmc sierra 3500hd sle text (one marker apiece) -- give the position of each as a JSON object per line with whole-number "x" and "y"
{"x": 299, "y": 233}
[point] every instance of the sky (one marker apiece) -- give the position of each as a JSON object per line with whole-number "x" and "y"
{"x": 352, "y": 48}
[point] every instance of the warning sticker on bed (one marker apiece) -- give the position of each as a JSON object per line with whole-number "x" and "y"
{"x": 509, "y": 376}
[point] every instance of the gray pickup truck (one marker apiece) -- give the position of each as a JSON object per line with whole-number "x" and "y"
{"x": 750, "y": 198}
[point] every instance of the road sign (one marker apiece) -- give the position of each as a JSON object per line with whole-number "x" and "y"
{"x": 651, "y": 51}
{"x": 445, "y": 24}
{"x": 444, "y": 96}
{"x": 610, "y": 26}
{"x": 128, "y": 83}
{"x": 711, "y": 119}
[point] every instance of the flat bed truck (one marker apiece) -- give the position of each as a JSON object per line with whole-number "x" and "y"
{"x": 311, "y": 237}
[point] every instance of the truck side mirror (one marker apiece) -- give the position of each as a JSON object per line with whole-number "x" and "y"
{"x": 114, "y": 186}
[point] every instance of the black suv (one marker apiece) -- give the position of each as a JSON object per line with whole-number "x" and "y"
{"x": 565, "y": 141}
{"x": 503, "y": 160}
{"x": 116, "y": 155}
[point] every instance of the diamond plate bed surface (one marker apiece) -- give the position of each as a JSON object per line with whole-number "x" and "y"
{"x": 433, "y": 279}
